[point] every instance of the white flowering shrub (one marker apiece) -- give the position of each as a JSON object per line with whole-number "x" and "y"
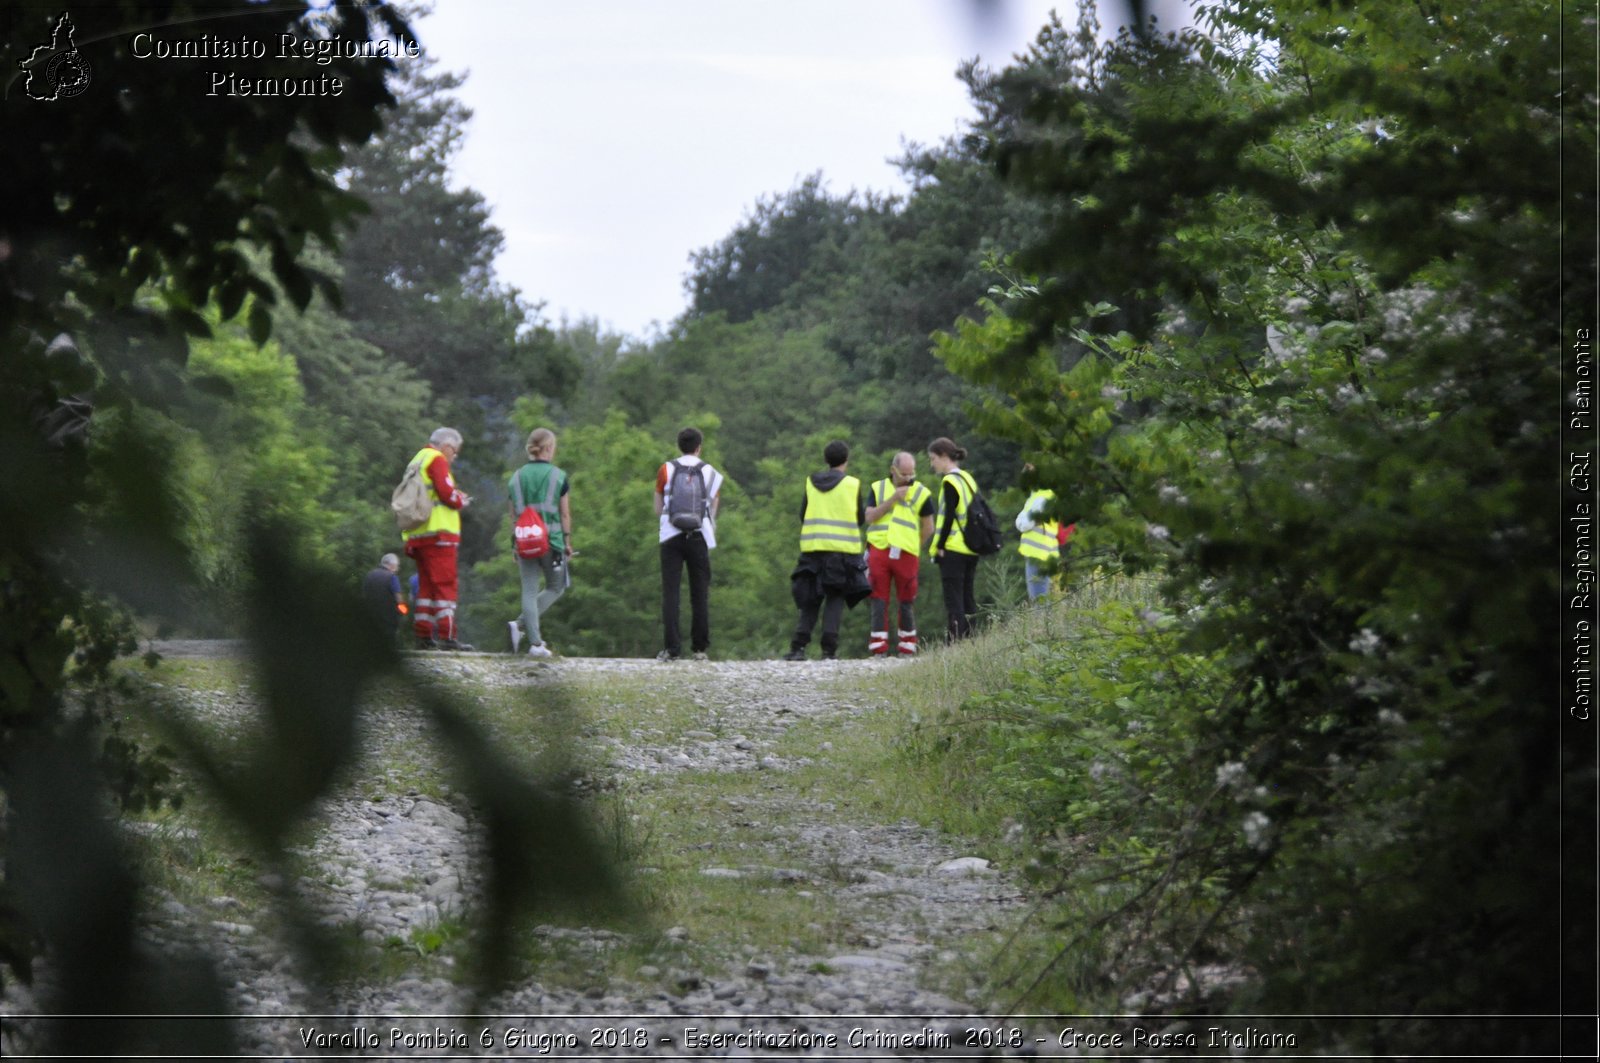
{"x": 1338, "y": 465}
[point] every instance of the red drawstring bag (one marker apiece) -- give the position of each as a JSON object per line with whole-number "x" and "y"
{"x": 529, "y": 536}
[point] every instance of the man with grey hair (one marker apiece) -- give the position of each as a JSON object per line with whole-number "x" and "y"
{"x": 435, "y": 543}
{"x": 380, "y": 592}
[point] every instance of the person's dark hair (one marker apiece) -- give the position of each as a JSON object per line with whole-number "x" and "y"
{"x": 689, "y": 440}
{"x": 836, "y": 453}
{"x": 946, "y": 448}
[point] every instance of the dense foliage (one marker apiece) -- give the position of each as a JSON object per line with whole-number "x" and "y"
{"x": 1289, "y": 338}
{"x": 166, "y": 464}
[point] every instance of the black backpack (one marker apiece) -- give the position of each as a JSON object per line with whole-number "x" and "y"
{"x": 687, "y": 502}
{"x": 982, "y": 530}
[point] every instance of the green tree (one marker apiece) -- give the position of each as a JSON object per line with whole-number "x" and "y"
{"x": 361, "y": 410}
{"x": 1321, "y": 424}
{"x": 110, "y": 258}
{"x": 419, "y": 268}
{"x": 786, "y": 245}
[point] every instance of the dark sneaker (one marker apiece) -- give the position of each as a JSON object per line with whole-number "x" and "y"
{"x": 795, "y": 655}
{"x": 427, "y": 644}
{"x": 452, "y": 644}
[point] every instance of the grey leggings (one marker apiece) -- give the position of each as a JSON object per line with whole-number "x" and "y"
{"x": 552, "y": 571}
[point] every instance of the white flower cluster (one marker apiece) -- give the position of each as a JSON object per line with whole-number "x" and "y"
{"x": 1409, "y": 313}
{"x": 1256, "y": 826}
{"x": 1348, "y": 395}
{"x": 1403, "y": 308}
{"x": 1367, "y": 642}
{"x": 1270, "y": 423}
{"x": 1172, "y": 495}
{"x": 1230, "y": 774}
{"x": 1175, "y": 323}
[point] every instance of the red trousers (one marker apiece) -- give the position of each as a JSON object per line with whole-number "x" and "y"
{"x": 900, "y": 573}
{"x": 437, "y": 587}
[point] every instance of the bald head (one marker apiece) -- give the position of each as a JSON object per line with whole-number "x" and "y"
{"x": 904, "y": 465}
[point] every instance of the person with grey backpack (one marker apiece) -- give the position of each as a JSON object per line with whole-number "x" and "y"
{"x": 687, "y": 493}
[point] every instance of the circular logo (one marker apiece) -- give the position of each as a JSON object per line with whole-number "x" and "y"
{"x": 68, "y": 74}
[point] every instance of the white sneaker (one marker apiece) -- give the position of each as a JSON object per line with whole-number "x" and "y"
{"x": 516, "y": 634}
{"x": 539, "y": 649}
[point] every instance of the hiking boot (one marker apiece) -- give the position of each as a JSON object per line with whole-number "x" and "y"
{"x": 829, "y": 656}
{"x": 666, "y": 656}
{"x": 454, "y": 645}
{"x": 700, "y": 655}
{"x": 516, "y": 634}
{"x": 427, "y": 644}
{"x": 539, "y": 649}
{"x": 795, "y": 655}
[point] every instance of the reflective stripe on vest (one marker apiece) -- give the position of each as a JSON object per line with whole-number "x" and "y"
{"x": 443, "y": 518}
{"x": 966, "y": 487}
{"x": 1040, "y": 543}
{"x": 830, "y": 522}
{"x": 899, "y": 526}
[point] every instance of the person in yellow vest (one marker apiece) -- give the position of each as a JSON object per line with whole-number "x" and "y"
{"x": 436, "y": 542}
{"x": 831, "y": 573}
{"x": 899, "y": 524}
{"x": 958, "y": 564}
{"x": 1040, "y": 543}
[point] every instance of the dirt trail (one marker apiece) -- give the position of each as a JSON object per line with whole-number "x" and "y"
{"x": 907, "y": 906}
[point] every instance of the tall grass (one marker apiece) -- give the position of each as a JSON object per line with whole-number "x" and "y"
{"x": 919, "y": 747}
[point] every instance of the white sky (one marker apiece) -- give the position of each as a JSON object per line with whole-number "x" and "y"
{"x": 611, "y": 139}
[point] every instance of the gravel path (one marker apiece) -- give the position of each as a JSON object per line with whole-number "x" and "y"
{"x": 914, "y": 900}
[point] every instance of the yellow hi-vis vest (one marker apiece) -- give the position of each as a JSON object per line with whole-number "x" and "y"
{"x": 900, "y": 525}
{"x": 1040, "y": 543}
{"x": 443, "y": 518}
{"x": 966, "y": 487}
{"x": 830, "y": 522}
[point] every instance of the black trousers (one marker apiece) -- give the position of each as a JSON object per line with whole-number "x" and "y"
{"x": 832, "y": 609}
{"x": 958, "y": 575}
{"x": 686, "y": 550}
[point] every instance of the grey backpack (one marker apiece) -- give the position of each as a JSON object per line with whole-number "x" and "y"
{"x": 687, "y": 500}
